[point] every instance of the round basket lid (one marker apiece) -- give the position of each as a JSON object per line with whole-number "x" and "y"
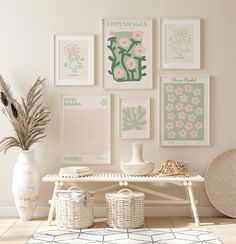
{"x": 220, "y": 182}
{"x": 125, "y": 194}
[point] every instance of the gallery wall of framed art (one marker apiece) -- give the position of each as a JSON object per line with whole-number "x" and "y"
{"x": 127, "y": 63}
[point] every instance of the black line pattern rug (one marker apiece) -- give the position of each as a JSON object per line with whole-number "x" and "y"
{"x": 126, "y": 236}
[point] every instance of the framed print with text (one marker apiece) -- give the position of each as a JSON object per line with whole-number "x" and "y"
{"x": 184, "y": 110}
{"x": 179, "y": 43}
{"x": 74, "y": 60}
{"x": 85, "y": 132}
{"x": 127, "y": 53}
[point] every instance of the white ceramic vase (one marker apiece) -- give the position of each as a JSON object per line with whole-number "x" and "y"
{"x": 26, "y": 184}
{"x": 137, "y": 154}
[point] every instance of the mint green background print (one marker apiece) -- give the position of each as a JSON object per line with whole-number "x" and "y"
{"x": 126, "y": 60}
{"x": 183, "y": 112}
{"x": 134, "y": 118}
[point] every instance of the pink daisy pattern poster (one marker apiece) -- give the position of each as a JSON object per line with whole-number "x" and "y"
{"x": 85, "y": 129}
{"x": 184, "y": 110}
{"x": 127, "y": 53}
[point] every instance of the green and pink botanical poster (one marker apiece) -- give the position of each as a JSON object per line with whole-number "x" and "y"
{"x": 184, "y": 110}
{"x": 74, "y": 60}
{"x": 127, "y": 53}
{"x": 134, "y": 117}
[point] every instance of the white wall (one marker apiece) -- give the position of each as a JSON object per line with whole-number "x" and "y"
{"x": 26, "y": 52}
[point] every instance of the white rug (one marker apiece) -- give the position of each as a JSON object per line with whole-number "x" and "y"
{"x": 126, "y": 236}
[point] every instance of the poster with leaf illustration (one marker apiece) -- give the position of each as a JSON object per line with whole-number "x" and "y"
{"x": 134, "y": 117}
{"x": 184, "y": 110}
{"x": 85, "y": 132}
{"x": 127, "y": 53}
{"x": 74, "y": 60}
{"x": 179, "y": 43}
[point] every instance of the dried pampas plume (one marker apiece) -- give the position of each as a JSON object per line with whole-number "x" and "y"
{"x": 28, "y": 119}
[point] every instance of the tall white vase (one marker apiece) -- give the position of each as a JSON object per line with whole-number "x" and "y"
{"x": 26, "y": 184}
{"x": 137, "y": 154}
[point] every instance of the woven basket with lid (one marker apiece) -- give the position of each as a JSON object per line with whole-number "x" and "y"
{"x": 125, "y": 209}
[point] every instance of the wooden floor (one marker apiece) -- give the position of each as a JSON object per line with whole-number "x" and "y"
{"x": 14, "y": 231}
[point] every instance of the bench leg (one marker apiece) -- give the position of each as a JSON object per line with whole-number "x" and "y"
{"x": 57, "y": 187}
{"x": 193, "y": 203}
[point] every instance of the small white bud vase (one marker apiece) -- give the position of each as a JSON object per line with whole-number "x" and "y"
{"x": 26, "y": 184}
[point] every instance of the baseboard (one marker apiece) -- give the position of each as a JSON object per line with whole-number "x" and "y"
{"x": 100, "y": 211}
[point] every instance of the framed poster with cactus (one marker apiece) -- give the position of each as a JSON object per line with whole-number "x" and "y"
{"x": 127, "y": 53}
{"x": 85, "y": 129}
{"x": 184, "y": 110}
{"x": 179, "y": 43}
{"x": 74, "y": 60}
{"x": 134, "y": 117}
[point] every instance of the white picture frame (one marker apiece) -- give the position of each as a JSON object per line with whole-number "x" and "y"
{"x": 73, "y": 60}
{"x": 127, "y": 53}
{"x": 179, "y": 43}
{"x": 184, "y": 110}
{"x": 134, "y": 117}
{"x": 85, "y": 129}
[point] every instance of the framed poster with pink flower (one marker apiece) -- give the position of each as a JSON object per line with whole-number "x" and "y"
{"x": 74, "y": 60}
{"x": 184, "y": 110}
{"x": 127, "y": 53}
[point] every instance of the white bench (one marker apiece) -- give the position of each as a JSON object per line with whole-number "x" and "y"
{"x": 125, "y": 180}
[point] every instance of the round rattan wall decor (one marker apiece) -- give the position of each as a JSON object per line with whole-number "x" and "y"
{"x": 220, "y": 182}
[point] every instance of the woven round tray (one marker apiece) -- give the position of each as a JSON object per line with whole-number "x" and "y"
{"x": 220, "y": 182}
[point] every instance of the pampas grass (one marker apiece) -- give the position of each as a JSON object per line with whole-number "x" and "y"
{"x": 28, "y": 119}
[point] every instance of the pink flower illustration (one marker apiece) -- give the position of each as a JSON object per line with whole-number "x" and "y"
{"x": 182, "y": 133}
{"x": 183, "y": 98}
{"x": 188, "y": 126}
{"x": 179, "y": 123}
{"x": 191, "y": 117}
{"x": 188, "y": 108}
{"x": 137, "y": 36}
{"x": 124, "y": 42}
{"x": 169, "y": 107}
{"x": 119, "y": 73}
{"x": 71, "y": 51}
{"x": 139, "y": 50}
{"x": 169, "y": 126}
{"x": 182, "y": 115}
{"x": 197, "y": 92}
{"x": 171, "y": 135}
{"x": 198, "y": 111}
{"x": 179, "y": 91}
{"x": 131, "y": 63}
{"x": 188, "y": 88}
{"x": 198, "y": 126}
{"x": 171, "y": 98}
{"x": 170, "y": 116}
{"x": 111, "y": 33}
{"x": 195, "y": 101}
{"x": 169, "y": 88}
{"x": 179, "y": 106}
{"x": 193, "y": 134}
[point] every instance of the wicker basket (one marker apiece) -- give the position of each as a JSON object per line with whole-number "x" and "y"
{"x": 125, "y": 209}
{"x": 72, "y": 213}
